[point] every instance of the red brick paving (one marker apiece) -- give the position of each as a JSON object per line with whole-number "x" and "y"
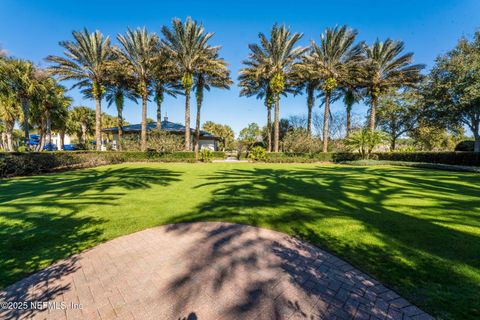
{"x": 206, "y": 271}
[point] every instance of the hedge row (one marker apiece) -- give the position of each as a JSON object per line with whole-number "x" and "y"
{"x": 22, "y": 164}
{"x": 452, "y": 158}
{"x": 290, "y": 157}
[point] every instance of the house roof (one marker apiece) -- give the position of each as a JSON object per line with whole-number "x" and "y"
{"x": 166, "y": 126}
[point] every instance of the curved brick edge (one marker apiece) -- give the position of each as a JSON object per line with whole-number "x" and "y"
{"x": 204, "y": 271}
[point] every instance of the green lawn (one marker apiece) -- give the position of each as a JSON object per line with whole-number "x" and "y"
{"x": 417, "y": 230}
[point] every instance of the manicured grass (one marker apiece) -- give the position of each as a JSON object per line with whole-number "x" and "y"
{"x": 417, "y": 230}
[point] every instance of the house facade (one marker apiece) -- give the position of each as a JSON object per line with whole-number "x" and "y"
{"x": 207, "y": 140}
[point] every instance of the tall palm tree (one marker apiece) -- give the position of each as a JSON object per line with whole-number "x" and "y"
{"x": 85, "y": 61}
{"x": 385, "y": 68}
{"x": 212, "y": 73}
{"x": 333, "y": 61}
{"x": 119, "y": 87}
{"x": 139, "y": 51}
{"x": 187, "y": 44}
{"x": 351, "y": 96}
{"x": 49, "y": 99}
{"x": 165, "y": 82}
{"x": 305, "y": 80}
{"x": 20, "y": 77}
{"x": 273, "y": 59}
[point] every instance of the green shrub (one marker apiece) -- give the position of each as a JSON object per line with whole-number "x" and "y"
{"x": 365, "y": 141}
{"x": 258, "y": 154}
{"x": 206, "y": 155}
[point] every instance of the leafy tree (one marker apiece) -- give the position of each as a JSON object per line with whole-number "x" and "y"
{"x": 223, "y": 132}
{"x": 352, "y": 94}
{"x": 432, "y": 137}
{"x": 386, "y": 68}
{"x": 365, "y": 141}
{"x": 272, "y": 60}
{"x": 187, "y": 45}
{"x": 250, "y": 135}
{"x": 453, "y": 90}
{"x": 398, "y": 113}
{"x": 334, "y": 61}
{"x": 86, "y": 62}
{"x": 139, "y": 51}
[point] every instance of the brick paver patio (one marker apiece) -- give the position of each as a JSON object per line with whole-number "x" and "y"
{"x": 205, "y": 271}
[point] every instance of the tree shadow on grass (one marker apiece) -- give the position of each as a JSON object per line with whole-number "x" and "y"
{"x": 405, "y": 226}
{"x": 39, "y": 216}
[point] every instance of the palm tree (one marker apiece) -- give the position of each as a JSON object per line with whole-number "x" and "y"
{"x": 80, "y": 122}
{"x": 212, "y": 73}
{"x": 304, "y": 79}
{"x": 139, "y": 51}
{"x": 165, "y": 82}
{"x": 187, "y": 45}
{"x": 49, "y": 99}
{"x": 85, "y": 62}
{"x": 20, "y": 77}
{"x": 333, "y": 61}
{"x": 9, "y": 113}
{"x": 351, "y": 95}
{"x": 386, "y": 68}
{"x": 119, "y": 87}
{"x": 273, "y": 60}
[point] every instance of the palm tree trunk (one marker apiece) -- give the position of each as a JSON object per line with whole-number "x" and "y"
{"x": 476, "y": 144}
{"x": 8, "y": 133}
{"x": 26, "y": 136}
{"x": 159, "y": 100}
{"x": 98, "y": 123}
{"x": 61, "y": 140}
{"x": 310, "y": 103}
{"x": 269, "y": 128}
{"x": 197, "y": 124}
{"x": 84, "y": 132}
{"x": 187, "y": 120}
{"x": 276, "y": 124}
{"x": 49, "y": 131}
{"x": 143, "y": 134}
{"x": 349, "y": 120}
{"x": 373, "y": 110}
{"x": 326, "y": 117}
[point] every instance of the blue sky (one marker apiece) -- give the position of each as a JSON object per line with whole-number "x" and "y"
{"x": 32, "y": 30}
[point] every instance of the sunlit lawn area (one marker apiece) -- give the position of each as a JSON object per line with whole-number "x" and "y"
{"x": 417, "y": 230}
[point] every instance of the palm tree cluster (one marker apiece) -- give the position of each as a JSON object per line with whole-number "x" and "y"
{"x": 142, "y": 66}
{"x": 337, "y": 66}
{"x": 32, "y": 98}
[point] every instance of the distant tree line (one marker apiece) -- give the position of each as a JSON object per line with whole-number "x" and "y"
{"x": 142, "y": 66}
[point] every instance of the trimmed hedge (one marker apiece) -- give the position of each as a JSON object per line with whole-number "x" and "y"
{"x": 23, "y": 163}
{"x": 437, "y": 166}
{"x": 291, "y": 157}
{"x": 453, "y": 158}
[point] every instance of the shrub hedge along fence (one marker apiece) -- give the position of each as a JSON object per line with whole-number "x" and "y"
{"x": 22, "y": 164}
